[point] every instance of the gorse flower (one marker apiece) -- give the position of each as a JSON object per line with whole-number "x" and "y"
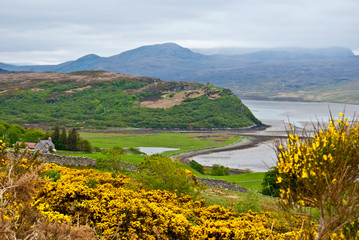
{"x": 310, "y": 168}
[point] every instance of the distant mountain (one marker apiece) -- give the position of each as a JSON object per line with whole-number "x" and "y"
{"x": 299, "y": 52}
{"x": 2, "y": 71}
{"x": 281, "y": 73}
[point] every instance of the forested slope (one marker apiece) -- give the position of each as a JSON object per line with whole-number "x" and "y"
{"x": 102, "y": 99}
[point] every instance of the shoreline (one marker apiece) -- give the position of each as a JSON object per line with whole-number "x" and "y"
{"x": 271, "y": 131}
{"x": 249, "y": 142}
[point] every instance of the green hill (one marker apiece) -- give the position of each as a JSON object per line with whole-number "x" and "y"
{"x": 100, "y": 99}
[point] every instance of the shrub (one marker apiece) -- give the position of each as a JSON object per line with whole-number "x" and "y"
{"x": 113, "y": 161}
{"x": 159, "y": 172}
{"x": 197, "y": 166}
{"x": 269, "y": 184}
{"x": 321, "y": 171}
{"x": 52, "y": 174}
{"x": 117, "y": 212}
{"x": 19, "y": 216}
{"x": 219, "y": 170}
{"x": 136, "y": 151}
{"x": 85, "y": 146}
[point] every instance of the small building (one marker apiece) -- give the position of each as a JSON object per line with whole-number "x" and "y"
{"x": 45, "y": 146}
{"x": 29, "y": 145}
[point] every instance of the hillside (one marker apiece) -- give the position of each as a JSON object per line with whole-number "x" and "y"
{"x": 2, "y": 71}
{"x": 328, "y": 74}
{"x": 100, "y": 99}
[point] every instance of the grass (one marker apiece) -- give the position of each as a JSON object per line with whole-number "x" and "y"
{"x": 225, "y": 198}
{"x": 184, "y": 141}
{"x": 87, "y": 135}
{"x": 251, "y": 181}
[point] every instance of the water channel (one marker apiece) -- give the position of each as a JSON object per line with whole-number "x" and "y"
{"x": 277, "y": 114}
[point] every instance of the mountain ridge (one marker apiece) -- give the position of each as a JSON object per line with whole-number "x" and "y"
{"x": 270, "y": 74}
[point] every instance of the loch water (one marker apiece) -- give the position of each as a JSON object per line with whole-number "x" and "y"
{"x": 278, "y": 114}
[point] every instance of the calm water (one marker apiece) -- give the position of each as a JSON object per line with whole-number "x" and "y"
{"x": 299, "y": 112}
{"x": 155, "y": 150}
{"x": 258, "y": 159}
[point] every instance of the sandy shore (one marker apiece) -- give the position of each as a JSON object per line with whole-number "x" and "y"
{"x": 250, "y": 142}
{"x": 257, "y": 141}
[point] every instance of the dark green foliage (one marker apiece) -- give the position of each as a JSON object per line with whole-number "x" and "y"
{"x": 62, "y": 144}
{"x": 219, "y": 170}
{"x": 12, "y": 133}
{"x": 72, "y": 140}
{"x": 91, "y": 183}
{"x": 136, "y": 151}
{"x": 52, "y": 174}
{"x": 33, "y": 135}
{"x": 270, "y": 187}
{"x": 84, "y": 145}
{"x": 56, "y": 137}
{"x": 196, "y": 166}
{"x": 159, "y": 172}
{"x": 3, "y": 128}
{"x": 108, "y": 104}
{"x": 351, "y": 229}
{"x": 97, "y": 149}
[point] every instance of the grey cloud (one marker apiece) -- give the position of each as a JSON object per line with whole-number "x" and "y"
{"x": 108, "y": 27}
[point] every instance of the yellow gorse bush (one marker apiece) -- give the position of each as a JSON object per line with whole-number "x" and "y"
{"x": 321, "y": 171}
{"x": 117, "y": 211}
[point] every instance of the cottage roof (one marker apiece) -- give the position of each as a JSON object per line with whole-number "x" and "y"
{"x": 45, "y": 145}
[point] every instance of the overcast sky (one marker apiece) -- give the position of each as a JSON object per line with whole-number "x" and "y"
{"x": 54, "y": 31}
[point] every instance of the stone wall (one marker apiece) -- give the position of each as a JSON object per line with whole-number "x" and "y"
{"x": 68, "y": 160}
{"x": 223, "y": 184}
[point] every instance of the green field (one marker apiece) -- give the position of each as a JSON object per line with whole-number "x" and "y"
{"x": 248, "y": 180}
{"x": 184, "y": 141}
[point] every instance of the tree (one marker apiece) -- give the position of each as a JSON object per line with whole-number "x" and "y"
{"x": 72, "y": 140}
{"x": 85, "y": 146}
{"x": 219, "y": 170}
{"x": 321, "y": 171}
{"x": 63, "y": 138}
{"x": 14, "y": 133}
{"x": 3, "y": 127}
{"x": 32, "y": 135}
{"x": 56, "y": 137}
